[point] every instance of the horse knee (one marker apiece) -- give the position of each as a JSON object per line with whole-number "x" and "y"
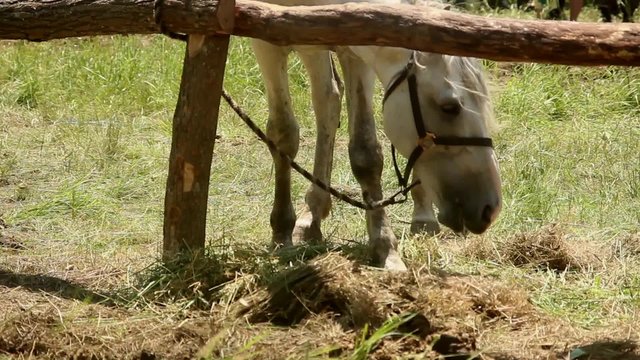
{"x": 284, "y": 134}
{"x": 366, "y": 161}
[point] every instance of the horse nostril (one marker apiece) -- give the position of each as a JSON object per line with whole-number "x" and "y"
{"x": 487, "y": 214}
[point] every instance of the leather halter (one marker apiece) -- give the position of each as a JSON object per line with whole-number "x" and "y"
{"x": 426, "y": 139}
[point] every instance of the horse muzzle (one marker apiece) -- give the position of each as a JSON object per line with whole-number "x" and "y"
{"x": 474, "y": 215}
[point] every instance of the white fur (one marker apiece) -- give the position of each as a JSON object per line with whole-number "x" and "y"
{"x": 441, "y": 80}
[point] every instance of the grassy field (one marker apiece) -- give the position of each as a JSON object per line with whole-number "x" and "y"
{"x": 84, "y": 140}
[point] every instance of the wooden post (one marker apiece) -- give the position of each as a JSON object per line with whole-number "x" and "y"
{"x": 194, "y": 129}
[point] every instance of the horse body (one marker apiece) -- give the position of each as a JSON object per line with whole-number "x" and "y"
{"x": 462, "y": 181}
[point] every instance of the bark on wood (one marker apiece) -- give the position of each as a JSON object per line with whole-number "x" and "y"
{"x": 420, "y": 28}
{"x": 194, "y": 130}
{"x": 447, "y": 32}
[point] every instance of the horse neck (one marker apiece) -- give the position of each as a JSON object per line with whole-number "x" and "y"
{"x": 386, "y": 62}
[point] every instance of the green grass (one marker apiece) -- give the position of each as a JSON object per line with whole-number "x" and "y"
{"x": 366, "y": 342}
{"x": 571, "y": 161}
{"x": 84, "y": 148}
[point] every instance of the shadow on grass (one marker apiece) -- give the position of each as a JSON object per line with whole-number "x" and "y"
{"x": 193, "y": 281}
{"x": 597, "y": 350}
{"x": 53, "y": 285}
{"x": 355, "y": 251}
{"x": 603, "y": 350}
{"x": 201, "y": 281}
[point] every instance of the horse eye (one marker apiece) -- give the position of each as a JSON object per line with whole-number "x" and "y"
{"x": 452, "y": 108}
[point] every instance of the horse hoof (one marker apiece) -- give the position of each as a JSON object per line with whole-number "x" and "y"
{"x": 307, "y": 231}
{"x": 281, "y": 241}
{"x": 429, "y": 228}
{"x": 388, "y": 260}
{"x": 393, "y": 262}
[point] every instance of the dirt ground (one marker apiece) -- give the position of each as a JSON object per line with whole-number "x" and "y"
{"x": 330, "y": 306}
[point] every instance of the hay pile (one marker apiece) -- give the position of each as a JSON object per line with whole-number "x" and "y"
{"x": 543, "y": 249}
{"x": 7, "y": 240}
{"x": 41, "y": 325}
{"x": 628, "y": 246}
{"x": 330, "y": 306}
{"x": 449, "y": 312}
{"x": 548, "y": 248}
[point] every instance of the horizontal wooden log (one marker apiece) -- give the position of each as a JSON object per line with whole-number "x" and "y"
{"x": 441, "y": 31}
{"x": 420, "y": 28}
{"x": 47, "y": 20}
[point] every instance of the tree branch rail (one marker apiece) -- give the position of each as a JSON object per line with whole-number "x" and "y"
{"x": 416, "y": 27}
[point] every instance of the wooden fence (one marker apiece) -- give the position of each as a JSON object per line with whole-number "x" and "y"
{"x": 209, "y": 24}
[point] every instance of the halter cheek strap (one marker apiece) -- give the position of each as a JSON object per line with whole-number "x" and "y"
{"x": 426, "y": 139}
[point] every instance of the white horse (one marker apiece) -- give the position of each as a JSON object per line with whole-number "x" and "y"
{"x": 459, "y": 175}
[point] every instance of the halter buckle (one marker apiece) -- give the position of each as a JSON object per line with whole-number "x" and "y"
{"x": 428, "y": 141}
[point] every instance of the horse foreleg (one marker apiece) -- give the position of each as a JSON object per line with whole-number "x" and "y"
{"x": 283, "y": 130}
{"x": 326, "y": 94}
{"x": 365, "y": 155}
{"x": 424, "y": 220}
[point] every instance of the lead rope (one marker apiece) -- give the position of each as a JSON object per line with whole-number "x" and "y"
{"x": 397, "y": 198}
{"x": 394, "y": 199}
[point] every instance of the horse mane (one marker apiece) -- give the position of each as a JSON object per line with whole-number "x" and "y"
{"x": 474, "y": 82}
{"x": 473, "y": 78}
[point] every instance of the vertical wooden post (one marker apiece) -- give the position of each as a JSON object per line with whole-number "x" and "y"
{"x": 194, "y": 129}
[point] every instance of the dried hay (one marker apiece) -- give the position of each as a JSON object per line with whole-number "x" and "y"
{"x": 316, "y": 334}
{"x": 44, "y": 326}
{"x": 8, "y": 240}
{"x": 555, "y": 340}
{"x": 479, "y": 249}
{"x": 11, "y": 242}
{"x": 628, "y": 246}
{"x": 548, "y": 248}
{"x": 552, "y": 248}
{"x": 541, "y": 249}
{"x": 332, "y": 300}
{"x": 325, "y": 308}
{"x": 450, "y": 311}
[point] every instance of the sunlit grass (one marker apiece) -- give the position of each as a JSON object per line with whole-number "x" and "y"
{"x": 84, "y": 149}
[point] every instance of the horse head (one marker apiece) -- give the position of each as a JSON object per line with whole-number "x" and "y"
{"x": 438, "y": 115}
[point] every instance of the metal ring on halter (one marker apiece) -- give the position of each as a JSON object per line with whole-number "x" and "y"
{"x": 428, "y": 141}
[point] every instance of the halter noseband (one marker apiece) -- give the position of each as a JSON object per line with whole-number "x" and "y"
{"x": 426, "y": 139}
